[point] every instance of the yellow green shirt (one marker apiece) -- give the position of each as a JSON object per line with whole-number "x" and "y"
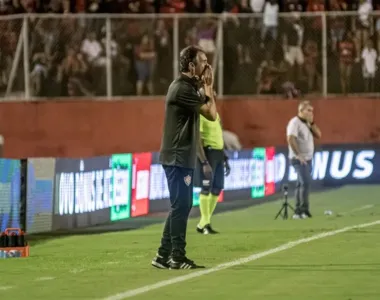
{"x": 211, "y": 133}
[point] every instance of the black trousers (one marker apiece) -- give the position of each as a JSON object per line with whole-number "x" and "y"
{"x": 180, "y": 184}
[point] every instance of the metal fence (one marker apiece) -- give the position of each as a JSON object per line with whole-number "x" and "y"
{"x": 89, "y": 55}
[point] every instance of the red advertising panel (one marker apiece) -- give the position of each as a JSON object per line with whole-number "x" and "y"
{"x": 140, "y": 183}
{"x": 270, "y": 186}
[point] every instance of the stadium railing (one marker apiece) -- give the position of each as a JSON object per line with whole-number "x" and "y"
{"x": 97, "y": 55}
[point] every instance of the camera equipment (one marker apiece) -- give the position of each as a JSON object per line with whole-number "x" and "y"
{"x": 285, "y": 205}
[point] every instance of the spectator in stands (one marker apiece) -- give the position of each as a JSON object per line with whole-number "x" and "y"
{"x": 164, "y": 47}
{"x": 377, "y": 28}
{"x": 292, "y": 45}
{"x": 270, "y": 21}
{"x": 257, "y": 6}
{"x": 316, "y": 21}
{"x": 311, "y": 54}
{"x": 73, "y": 66}
{"x": 270, "y": 76}
{"x": 39, "y": 76}
{"x": 93, "y": 50}
{"x": 8, "y": 45}
{"x": 369, "y": 58}
{"x": 244, "y": 33}
{"x": 206, "y": 34}
{"x": 75, "y": 88}
{"x": 196, "y": 6}
{"x": 266, "y": 76}
{"x": 363, "y": 26}
{"x": 293, "y": 6}
{"x": 172, "y": 6}
{"x": 145, "y": 57}
{"x": 346, "y": 60}
{"x": 338, "y": 24}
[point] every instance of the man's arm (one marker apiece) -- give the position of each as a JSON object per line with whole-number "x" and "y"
{"x": 208, "y": 110}
{"x": 200, "y": 152}
{"x": 315, "y": 131}
{"x": 189, "y": 99}
{"x": 292, "y": 141}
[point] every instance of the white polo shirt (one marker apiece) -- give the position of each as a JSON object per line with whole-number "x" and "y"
{"x": 304, "y": 138}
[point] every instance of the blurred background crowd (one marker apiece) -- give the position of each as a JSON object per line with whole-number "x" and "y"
{"x": 264, "y": 51}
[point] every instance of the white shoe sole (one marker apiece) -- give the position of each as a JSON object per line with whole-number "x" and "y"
{"x": 158, "y": 265}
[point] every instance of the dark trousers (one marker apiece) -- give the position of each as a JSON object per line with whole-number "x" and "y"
{"x": 303, "y": 184}
{"x": 180, "y": 183}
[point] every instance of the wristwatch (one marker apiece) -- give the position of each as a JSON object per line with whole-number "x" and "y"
{"x": 204, "y": 163}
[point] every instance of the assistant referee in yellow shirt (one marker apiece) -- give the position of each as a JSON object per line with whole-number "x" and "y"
{"x": 211, "y": 156}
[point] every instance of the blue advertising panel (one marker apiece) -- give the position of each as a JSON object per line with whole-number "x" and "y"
{"x": 9, "y": 193}
{"x": 334, "y": 165}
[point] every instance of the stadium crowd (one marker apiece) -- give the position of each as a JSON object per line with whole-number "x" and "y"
{"x": 263, "y": 53}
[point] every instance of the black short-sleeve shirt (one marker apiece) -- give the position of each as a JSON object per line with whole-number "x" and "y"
{"x": 181, "y": 127}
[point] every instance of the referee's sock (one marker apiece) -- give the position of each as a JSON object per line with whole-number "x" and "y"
{"x": 204, "y": 205}
{"x": 213, "y": 200}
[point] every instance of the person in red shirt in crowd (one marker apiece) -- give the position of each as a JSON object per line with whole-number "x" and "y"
{"x": 316, "y": 21}
{"x": 311, "y": 54}
{"x": 173, "y": 6}
{"x": 346, "y": 60}
{"x": 145, "y": 56}
{"x": 338, "y": 24}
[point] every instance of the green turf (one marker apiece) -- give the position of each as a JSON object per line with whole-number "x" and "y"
{"x": 345, "y": 266}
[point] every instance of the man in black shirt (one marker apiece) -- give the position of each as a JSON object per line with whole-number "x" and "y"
{"x": 188, "y": 96}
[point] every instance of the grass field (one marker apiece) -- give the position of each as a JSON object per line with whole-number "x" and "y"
{"x": 343, "y": 266}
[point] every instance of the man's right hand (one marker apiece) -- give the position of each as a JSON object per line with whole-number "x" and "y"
{"x": 301, "y": 159}
{"x": 207, "y": 171}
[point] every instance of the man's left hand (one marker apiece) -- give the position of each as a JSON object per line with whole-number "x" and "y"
{"x": 208, "y": 76}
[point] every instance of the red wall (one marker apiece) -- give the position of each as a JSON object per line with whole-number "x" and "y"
{"x": 90, "y": 128}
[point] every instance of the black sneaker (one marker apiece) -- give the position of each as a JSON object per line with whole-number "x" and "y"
{"x": 308, "y": 214}
{"x": 209, "y": 230}
{"x": 184, "y": 264}
{"x": 200, "y": 230}
{"x": 160, "y": 262}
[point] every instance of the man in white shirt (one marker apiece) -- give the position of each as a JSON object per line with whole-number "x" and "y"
{"x": 301, "y": 131}
{"x": 270, "y": 20}
{"x": 257, "y": 5}
{"x": 363, "y": 26}
{"x": 93, "y": 50}
{"x": 369, "y": 57}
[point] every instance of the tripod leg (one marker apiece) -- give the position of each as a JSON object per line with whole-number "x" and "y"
{"x": 291, "y": 207}
{"x": 285, "y": 211}
{"x": 279, "y": 213}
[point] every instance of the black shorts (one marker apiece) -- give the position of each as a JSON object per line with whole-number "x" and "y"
{"x": 216, "y": 160}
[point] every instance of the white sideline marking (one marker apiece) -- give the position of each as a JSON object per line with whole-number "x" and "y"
{"x": 76, "y": 271}
{"x": 164, "y": 283}
{"x": 363, "y": 207}
{"x": 112, "y": 262}
{"x": 358, "y": 209}
{"x": 5, "y": 288}
{"x": 44, "y": 278}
